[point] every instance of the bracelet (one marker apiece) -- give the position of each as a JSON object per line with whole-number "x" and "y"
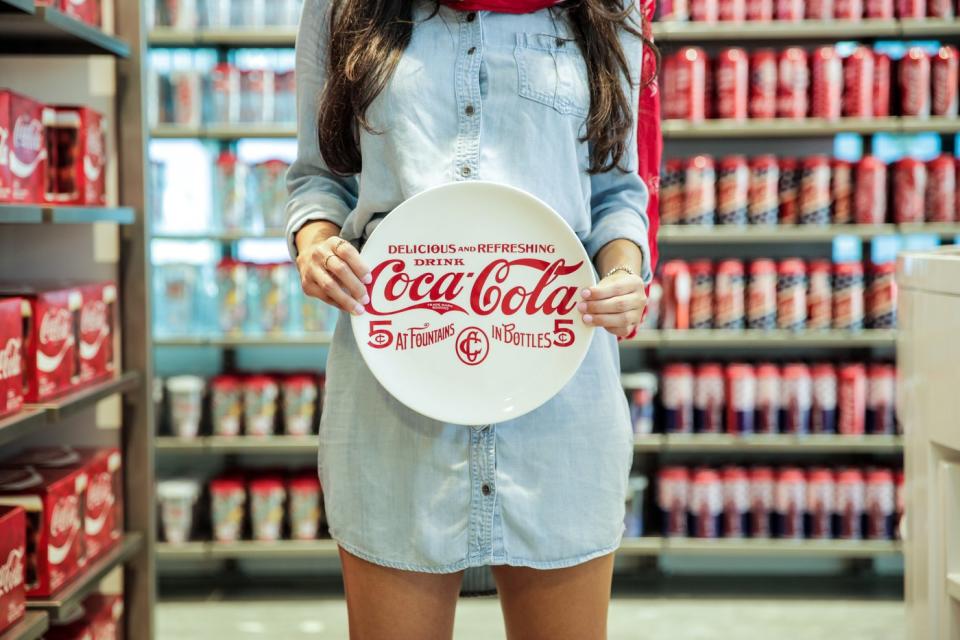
{"x": 624, "y": 268}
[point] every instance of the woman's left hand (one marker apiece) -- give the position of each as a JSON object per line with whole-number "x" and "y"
{"x": 615, "y": 303}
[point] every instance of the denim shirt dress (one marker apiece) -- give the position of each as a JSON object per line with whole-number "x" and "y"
{"x": 482, "y": 96}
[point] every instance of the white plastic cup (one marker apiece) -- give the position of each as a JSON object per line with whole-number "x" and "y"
{"x": 186, "y": 405}
{"x": 177, "y": 498}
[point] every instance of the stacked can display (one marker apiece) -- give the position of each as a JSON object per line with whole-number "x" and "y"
{"x": 791, "y": 294}
{"x": 816, "y": 190}
{"x": 726, "y": 11}
{"x": 223, "y": 14}
{"x": 847, "y": 503}
{"x": 795, "y": 398}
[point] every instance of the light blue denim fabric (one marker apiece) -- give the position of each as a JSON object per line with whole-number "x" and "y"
{"x": 400, "y": 489}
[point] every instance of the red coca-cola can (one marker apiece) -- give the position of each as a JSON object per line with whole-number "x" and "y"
{"x": 732, "y": 10}
{"x": 677, "y": 398}
{"x": 763, "y": 84}
{"x": 768, "y": 399}
{"x": 941, "y": 205}
{"x": 759, "y": 10}
{"x": 792, "y": 295}
{"x": 789, "y": 191}
{"x": 909, "y": 190}
{"x": 815, "y": 190}
{"x": 882, "y": 74}
{"x": 945, "y": 75}
{"x": 701, "y": 295}
{"x": 673, "y": 499}
{"x": 841, "y": 191}
{"x": 699, "y": 191}
{"x": 879, "y": 9}
{"x": 708, "y": 398}
{"x": 850, "y": 501}
{"x": 762, "y": 490}
{"x": 736, "y": 502}
{"x": 685, "y": 85}
{"x": 914, "y": 76}
{"x": 764, "y": 190}
{"x": 881, "y": 399}
{"x": 706, "y": 503}
{"x": 819, "y": 9}
{"x": 705, "y": 10}
{"x": 823, "y": 416}
{"x": 848, "y": 294}
{"x": 762, "y": 295}
{"x": 870, "y": 200}
{"x": 821, "y": 495}
{"x": 848, "y": 10}
{"x": 881, "y": 298}
{"x": 852, "y": 399}
{"x": 729, "y": 296}
{"x": 900, "y": 500}
{"x": 733, "y": 188}
{"x": 916, "y": 9}
{"x": 793, "y": 83}
{"x": 790, "y": 10}
{"x": 741, "y": 398}
{"x": 796, "y": 399}
{"x": 790, "y": 503}
{"x": 880, "y": 500}
{"x": 858, "y": 83}
{"x": 732, "y": 77}
{"x": 942, "y": 9}
{"x": 676, "y": 295}
{"x": 826, "y": 70}
{"x": 957, "y": 180}
{"x": 672, "y": 192}
{"x": 819, "y": 295}
{"x": 674, "y": 11}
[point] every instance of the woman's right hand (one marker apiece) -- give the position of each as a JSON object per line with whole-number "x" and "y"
{"x": 330, "y": 267}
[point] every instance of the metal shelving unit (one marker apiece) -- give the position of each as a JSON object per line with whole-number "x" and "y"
{"x": 225, "y": 132}
{"x": 808, "y": 30}
{"x": 41, "y": 214}
{"x": 265, "y": 37}
{"x": 32, "y": 627}
{"x": 722, "y": 443}
{"x": 247, "y": 445}
{"x": 725, "y": 339}
{"x": 28, "y": 29}
{"x": 783, "y": 548}
{"x": 289, "y": 340}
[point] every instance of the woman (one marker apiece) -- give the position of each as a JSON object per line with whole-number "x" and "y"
{"x": 396, "y": 96}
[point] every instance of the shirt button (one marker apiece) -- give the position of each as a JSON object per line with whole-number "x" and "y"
{"x": 465, "y": 172}
{"x": 469, "y": 110}
{"x": 471, "y": 51}
{"x": 471, "y": 16}
{"x": 486, "y": 489}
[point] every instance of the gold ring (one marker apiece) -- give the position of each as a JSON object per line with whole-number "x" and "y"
{"x": 327, "y": 259}
{"x": 336, "y": 248}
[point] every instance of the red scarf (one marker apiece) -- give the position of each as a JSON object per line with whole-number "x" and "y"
{"x": 500, "y": 6}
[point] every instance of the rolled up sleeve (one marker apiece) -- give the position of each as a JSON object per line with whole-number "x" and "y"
{"x": 315, "y": 193}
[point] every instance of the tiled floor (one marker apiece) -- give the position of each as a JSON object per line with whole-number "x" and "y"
{"x": 630, "y": 619}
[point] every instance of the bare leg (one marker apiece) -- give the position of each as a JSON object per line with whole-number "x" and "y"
{"x": 400, "y": 605}
{"x": 557, "y": 604}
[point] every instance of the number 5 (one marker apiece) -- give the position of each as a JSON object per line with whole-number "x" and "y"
{"x": 564, "y": 336}
{"x": 380, "y": 338}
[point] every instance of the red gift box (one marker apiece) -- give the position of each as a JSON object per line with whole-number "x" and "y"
{"x": 13, "y": 562}
{"x": 53, "y": 499}
{"x": 51, "y": 357}
{"x": 23, "y": 150}
{"x": 11, "y": 355}
{"x": 76, "y": 156}
{"x": 84, "y": 10}
{"x": 97, "y": 322}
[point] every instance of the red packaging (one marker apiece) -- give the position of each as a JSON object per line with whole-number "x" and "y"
{"x": 881, "y": 399}
{"x": 76, "y": 156}
{"x": 848, "y": 294}
{"x": 676, "y": 295}
{"x": 764, "y": 190}
{"x": 914, "y": 76}
{"x": 11, "y": 355}
{"x": 673, "y": 11}
{"x": 762, "y": 295}
{"x": 882, "y": 73}
{"x": 736, "y": 502}
{"x": 23, "y": 148}
{"x": 879, "y": 9}
{"x": 768, "y": 399}
{"x": 706, "y": 503}
{"x": 880, "y": 505}
{"x": 820, "y": 9}
{"x": 304, "y": 509}
{"x": 673, "y": 496}
{"x": 53, "y": 499}
{"x": 729, "y": 296}
{"x": 790, "y": 502}
{"x": 685, "y": 85}
{"x": 870, "y": 200}
{"x": 790, "y": 10}
{"x": 224, "y": 93}
{"x": 759, "y": 10}
{"x": 916, "y": 9}
{"x": 672, "y": 192}
{"x": 228, "y": 498}
{"x": 940, "y": 9}
{"x": 677, "y": 397}
{"x": 51, "y": 357}
{"x": 741, "y": 398}
{"x": 815, "y": 190}
{"x": 260, "y": 396}
{"x": 701, "y": 296}
{"x": 841, "y": 191}
{"x": 909, "y": 190}
{"x": 850, "y": 500}
{"x": 789, "y": 191}
{"x": 732, "y": 10}
{"x": 819, "y": 295}
{"x": 761, "y": 501}
{"x": 827, "y": 80}
{"x": 793, "y": 83}
{"x": 732, "y": 75}
{"x": 104, "y": 614}
{"x": 848, "y": 10}
{"x": 763, "y": 84}
{"x": 858, "y": 83}
{"x": 821, "y": 492}
{"x": 13, "y": 556}
{"x": 267, "y": 507}
{"x": 733, "y": 184}
{"x": 76, "y": 627}
{"x": 256, "y": 95}
{"x": 708, "y": 392}
{"x": 97, "y": 322}
{"x": 852, "y": 399}
{"x": 823, "y": 417}
{"x": 900, "y": 499}
{"x": 700, "y": 191}
{"x": 796, "y": 399}
{"x": 791, "y": 295}
{"x": 84, "y": 10}
{"x": 940, "y": 199}
{"x": 881, "y": 297}
{"x": 705, "y": 10}
{"x": 945, "y": 75}
{"x": 957, "y": 180}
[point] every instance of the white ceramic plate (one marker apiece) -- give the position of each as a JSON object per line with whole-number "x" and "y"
{"x": 457, "y": 327}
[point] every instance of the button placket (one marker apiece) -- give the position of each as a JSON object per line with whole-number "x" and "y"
{"x": 467, "y": 159}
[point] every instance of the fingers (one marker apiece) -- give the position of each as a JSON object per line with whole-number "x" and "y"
{"x": 619, "y": 304}
{"x": 349, "y": 254}
{"x": 332, "y": 271}
{"x": 321, "y": 284}
{"x": 612, "y": 287}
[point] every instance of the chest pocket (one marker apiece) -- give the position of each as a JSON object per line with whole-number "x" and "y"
{"x": 552, "y": 71}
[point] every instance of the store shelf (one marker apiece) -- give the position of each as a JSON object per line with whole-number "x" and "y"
{"x": 32, "y": 627}
{"x": 953, "y": 586}
{"x": 284, "y": 37}
{"x": 318, "y": 339}
{"x": 60, "y": 605}
{"x": 87, "y": 396}
{"x": 938, "y": 124}
{"x": 782, "y": 548}
{"x": 226, "y": 132}
{"x": 780, "y": 443}
{"x": 674, "y": 234}
{"x": 645, "y": 546}
{"x": 226, "y": 236}
{"x": 19, "y": 424}
{"x": 252, "y": 445}
{"x": 762, "y": 339}
{"x": 26, "y": 29}
{"x": 778, "y": 128}
{"x": 699, "y": 32}
{"x": 40, "y": 214}
{"x": 930, "y": 28}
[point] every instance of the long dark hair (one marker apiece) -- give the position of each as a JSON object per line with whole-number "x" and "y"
{"x": 368, "y": 37}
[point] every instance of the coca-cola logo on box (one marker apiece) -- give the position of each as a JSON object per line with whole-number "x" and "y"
{"x": 472, "y": 314}
{"x": 27, "y": 146}
{"x": 56, "y": 326}
{"x": 12, "y": 571}
{"x": 11, "y": 360}
{"x": 94, "y": 158}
